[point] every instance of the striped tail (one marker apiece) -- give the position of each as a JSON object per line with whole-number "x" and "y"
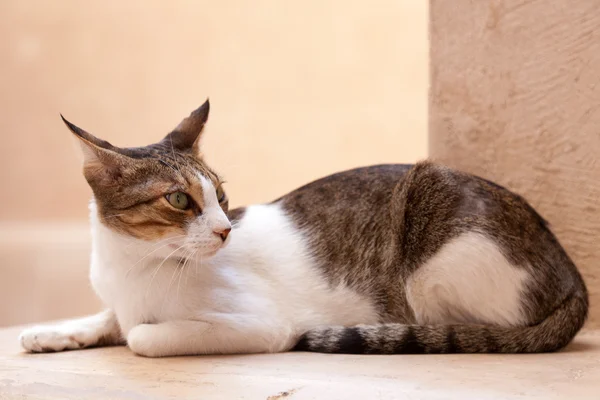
{"x": 552, "y": 334}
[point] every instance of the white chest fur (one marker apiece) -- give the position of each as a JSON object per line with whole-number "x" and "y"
{"x": 265, "y": 274}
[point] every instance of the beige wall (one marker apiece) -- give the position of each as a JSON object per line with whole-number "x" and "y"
{"x": 298, "y": 90}
{"x": 514, "y": 98}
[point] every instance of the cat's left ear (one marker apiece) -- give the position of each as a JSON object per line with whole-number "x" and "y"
{"x": 186, "y": 136}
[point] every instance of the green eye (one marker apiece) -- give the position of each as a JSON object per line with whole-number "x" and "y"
{"x": 179, "y": 200}
{"x": 220, "y": 194}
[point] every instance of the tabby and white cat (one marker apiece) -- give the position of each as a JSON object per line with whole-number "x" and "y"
{"x": 383, "y": 259}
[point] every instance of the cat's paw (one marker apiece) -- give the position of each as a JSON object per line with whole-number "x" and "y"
{"x": 42, "y": 339}
{"x": 140, "y": 341}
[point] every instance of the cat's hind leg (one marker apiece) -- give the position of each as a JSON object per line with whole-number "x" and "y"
{"x": 101, "y": 329}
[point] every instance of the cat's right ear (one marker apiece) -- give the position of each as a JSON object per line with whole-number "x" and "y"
{"x": 101, "y": 160}
{"x": 186, "y": 136}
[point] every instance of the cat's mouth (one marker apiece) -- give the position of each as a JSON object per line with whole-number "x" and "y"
{"x": 204, "y": 254}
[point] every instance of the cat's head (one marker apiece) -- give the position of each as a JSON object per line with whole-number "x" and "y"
{"x": 164, "y": 190}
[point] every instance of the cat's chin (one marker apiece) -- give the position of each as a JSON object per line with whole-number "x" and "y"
{"x": 210, "y": 254}
{"x": 206, "y": 254}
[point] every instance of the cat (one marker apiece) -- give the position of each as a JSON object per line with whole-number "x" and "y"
{"x": 383, "y": 259}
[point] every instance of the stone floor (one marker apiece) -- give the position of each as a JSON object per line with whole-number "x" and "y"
{"x": 115, "y": 373}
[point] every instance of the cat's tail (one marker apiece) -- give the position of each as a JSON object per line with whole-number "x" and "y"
{"x": 552, "y": 334}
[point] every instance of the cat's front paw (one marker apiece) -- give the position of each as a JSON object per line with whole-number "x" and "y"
{"x": 140, "y": 341}
{"x": 42, "y": 339}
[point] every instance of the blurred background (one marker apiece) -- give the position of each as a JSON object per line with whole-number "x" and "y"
{"x": 298, "y": 90}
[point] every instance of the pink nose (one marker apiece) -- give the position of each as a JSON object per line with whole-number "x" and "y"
{"x": 223, "y": 233}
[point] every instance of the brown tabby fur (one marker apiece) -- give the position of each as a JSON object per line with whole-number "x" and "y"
{"x": 131, "y": 195}
{"x": 371, "y": 228}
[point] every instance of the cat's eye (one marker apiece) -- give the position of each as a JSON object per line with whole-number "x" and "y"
{"x": 179, "y": 200}
{"x": 220, "y": 194}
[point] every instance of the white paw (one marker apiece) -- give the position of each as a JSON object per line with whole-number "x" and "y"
{"x": 42, "y": 339}
{"x": 140, "y": 341}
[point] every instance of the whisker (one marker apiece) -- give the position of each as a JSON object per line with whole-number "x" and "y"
{"x": 179, "y": 282}
{"x": 155, "y": 250}
{"x": 183, "y": 270}
{"x": 175, "y": 159}
{"x": 160, "y": 160}
{"x": 185, "y": 263}
{"x": 160, "y": 265}
{"x": 175, "y": 270}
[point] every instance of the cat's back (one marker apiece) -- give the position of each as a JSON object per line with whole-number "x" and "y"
{"x": 334, "y": 205}
{"x": 355, "y": 186}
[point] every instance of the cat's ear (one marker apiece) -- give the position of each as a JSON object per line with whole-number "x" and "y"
{"x": 186, "y": 136}
{"x": 101, "y": 160}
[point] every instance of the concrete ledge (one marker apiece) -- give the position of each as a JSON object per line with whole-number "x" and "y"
{"x": 44, "y": 272}
{"x": 116, "y": 373}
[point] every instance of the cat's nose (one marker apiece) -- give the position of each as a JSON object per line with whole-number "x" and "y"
{"x": 223, "y": 233}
